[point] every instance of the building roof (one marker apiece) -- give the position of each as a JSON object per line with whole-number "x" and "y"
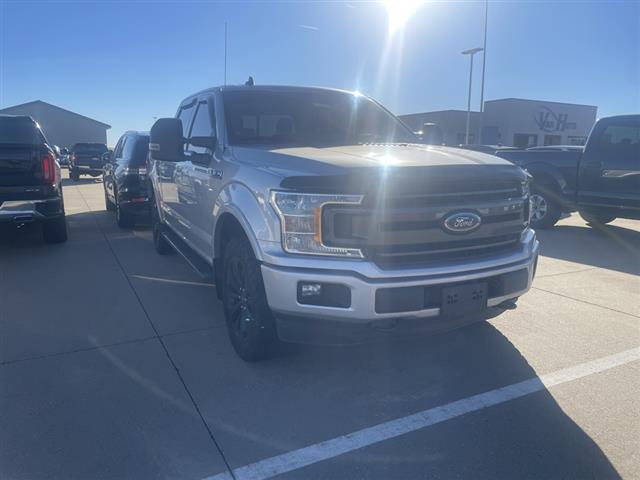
{"x": 106, "y": 126}
{"x": 451, "y": 110}
{"x": 508, "y": 99}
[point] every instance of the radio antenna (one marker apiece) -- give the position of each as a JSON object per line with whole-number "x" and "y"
{"x": 225, "y": 53}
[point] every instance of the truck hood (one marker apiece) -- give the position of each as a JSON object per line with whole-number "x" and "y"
{"x": 356, "y": 168}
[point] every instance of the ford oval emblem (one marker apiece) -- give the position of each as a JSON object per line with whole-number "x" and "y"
{"x": 461, "y": 222}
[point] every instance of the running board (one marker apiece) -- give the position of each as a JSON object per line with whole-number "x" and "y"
{"x": 202, "y": 268}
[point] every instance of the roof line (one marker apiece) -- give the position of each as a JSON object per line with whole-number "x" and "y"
{"x": 539, "y": 101}
{"x": 59, "y": 108}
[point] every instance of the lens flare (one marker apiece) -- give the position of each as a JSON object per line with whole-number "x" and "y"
{"x": 399, "y": 12}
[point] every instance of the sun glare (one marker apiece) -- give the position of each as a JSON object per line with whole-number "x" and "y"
{"x": 399, "y": 12}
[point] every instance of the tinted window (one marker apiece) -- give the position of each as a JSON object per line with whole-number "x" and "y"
{"x": 186, "y": 114}
{"x": 136, "y": 151}
{"x": 90, "y": 148}
{"x": 202, "y": 126}
{"x": 19, "y": 130}
{"x": 311, "y": 117}
{"x": 621, "y": 143}
{"x": 117, "y": 153}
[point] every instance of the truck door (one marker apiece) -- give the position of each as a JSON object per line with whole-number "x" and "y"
{"x": 203, "y": 180}
{"x": 171, "y": 179}
{"x": 609, "y": 173}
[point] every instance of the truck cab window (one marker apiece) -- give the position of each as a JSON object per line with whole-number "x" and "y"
{"x": 202, "y": 127}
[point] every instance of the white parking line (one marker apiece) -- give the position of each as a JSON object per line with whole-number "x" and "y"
{"x": 334, "y": 447}
{"x": 177, "y": 282}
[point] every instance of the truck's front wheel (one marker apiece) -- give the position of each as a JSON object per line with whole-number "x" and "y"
{"x": 250, "y": 322}
{"x": 545, "y": 210}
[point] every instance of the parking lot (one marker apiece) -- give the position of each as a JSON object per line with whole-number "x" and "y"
{"x": 115, "y": 363}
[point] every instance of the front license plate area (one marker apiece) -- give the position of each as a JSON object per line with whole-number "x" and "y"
{"x": 463, "y": 299}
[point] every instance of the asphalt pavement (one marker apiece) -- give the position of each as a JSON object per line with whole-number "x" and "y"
{"x": 115, "y": 364}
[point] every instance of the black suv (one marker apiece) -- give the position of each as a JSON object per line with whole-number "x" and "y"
{"x": 125, "y": 179}
{"x": 30, "y": 180}
{"x": 86, "y": 159}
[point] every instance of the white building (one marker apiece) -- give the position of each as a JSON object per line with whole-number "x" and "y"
{"x": 514, "y": 122}
{"x": 62, "y": 127}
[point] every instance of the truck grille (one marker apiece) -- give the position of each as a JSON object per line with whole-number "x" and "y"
{"x": 406, "y": 231}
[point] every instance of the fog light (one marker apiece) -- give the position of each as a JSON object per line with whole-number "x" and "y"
{"x": 310, "y": 289}
{"x": 324, "y": 294}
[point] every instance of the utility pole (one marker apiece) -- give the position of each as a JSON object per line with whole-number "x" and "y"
{"x": 484, "y": 63}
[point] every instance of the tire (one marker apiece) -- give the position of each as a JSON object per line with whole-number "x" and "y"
{"x": 159, "y": 242}
{"x": 74, "y": 175}
{"x": 111, "y": 207}
{"x": 545, "y": 209}
{"x": 593, "y": 219}
{"x": 124, "y": 219}
{"x": 55, "y": 231}
{"x": 250, "y": 322}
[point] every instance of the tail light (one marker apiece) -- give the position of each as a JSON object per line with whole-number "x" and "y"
{"x": 49, "y": 170}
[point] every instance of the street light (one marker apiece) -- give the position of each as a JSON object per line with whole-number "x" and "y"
{"x": 471, "y": 52}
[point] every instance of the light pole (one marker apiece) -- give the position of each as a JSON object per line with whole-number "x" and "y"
{"x": 484, "y": 64}
{"x": 471, "y": 52}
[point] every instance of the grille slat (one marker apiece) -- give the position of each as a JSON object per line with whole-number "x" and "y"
{"x": 405, "y": 230}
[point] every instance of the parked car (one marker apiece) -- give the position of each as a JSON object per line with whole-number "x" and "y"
{"x": 558, "y": 148}
{"x": 602, "y": 183}
{"x": 30, "y": 180}
{"x": 321, "y": 217}
{"x": 490, "y": 149}
{"x": 125, "y": 179}
{"x": 63, "y": 158}
{"x": 86, "y": 159}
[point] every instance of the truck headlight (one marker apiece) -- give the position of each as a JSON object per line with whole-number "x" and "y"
{"x": 301, "y": 222}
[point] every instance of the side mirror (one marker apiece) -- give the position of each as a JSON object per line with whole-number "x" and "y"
{"x": 165, "y": 140}
{"x": 206, "y": 142}
{"x": 106, "y": 157}
{"x": 57, "y": 150}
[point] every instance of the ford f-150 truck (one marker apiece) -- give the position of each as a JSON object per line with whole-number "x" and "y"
{"x": 602, "y": 182}
{"x": 321, "y": 218}
{"x": 30, "y": 180}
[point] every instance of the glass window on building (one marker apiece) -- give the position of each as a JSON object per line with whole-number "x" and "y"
{"x": 576, "y": 140}
{"x": 461, "y": 138}
{"x": 552, "y": 140}
{"x": 525, "y": 140}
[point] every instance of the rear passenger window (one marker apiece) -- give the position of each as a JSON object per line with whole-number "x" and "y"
{"x": 119, "y": 147}
{"x": 620, "y": 144}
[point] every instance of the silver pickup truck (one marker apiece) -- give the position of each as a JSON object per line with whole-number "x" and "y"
{"x": 322, "y": 219}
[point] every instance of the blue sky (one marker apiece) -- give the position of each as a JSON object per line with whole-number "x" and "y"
{"x": 126, "y": 62}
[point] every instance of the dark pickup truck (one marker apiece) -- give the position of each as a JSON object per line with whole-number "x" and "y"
{"x": 602, "y": 183}
{"x": 30, "y": 180}
{"x": 86, "y": 159}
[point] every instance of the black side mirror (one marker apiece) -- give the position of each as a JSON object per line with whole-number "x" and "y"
{"x": 165, "y": 140}
{"x": 106, "y": 157}
{"x": 206, "y": 142}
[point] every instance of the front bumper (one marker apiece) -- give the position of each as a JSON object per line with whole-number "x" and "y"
{"x": 27, "y": 211}
{"x": 281, "y": 285}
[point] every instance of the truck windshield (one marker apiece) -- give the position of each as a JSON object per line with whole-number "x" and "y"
{"x": 309, "y": 118}
{"x": 90, "y": 148}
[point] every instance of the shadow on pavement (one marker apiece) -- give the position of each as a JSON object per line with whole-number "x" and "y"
{"x": 67, "y": 182}
{"x": 609, "y": 246}
{"x": 311, "y": 394}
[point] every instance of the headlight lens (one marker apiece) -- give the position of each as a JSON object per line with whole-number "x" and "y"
{"x": 301, "y": 221}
